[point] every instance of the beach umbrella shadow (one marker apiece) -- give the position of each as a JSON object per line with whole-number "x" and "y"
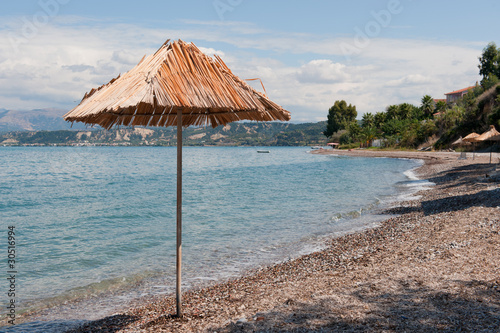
{"x": 176, "y": 86}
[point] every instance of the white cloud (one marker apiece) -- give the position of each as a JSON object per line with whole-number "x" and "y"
{"x": 322, "y": 71}
{"x": 125, "y": 57}
{"x": 411, "y": 80}
{"x": 210, "y": 51}
{"x": 304, "y": 73}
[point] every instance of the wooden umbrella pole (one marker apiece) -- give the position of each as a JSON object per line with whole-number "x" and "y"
{"x": 179, "y": 213}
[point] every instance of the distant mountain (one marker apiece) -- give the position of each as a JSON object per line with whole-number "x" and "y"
{"x": 47, "y": 127}
{"x": 34, "y": 120}
{"x": 233, "y": 134}
{"x": 3, "y": 112}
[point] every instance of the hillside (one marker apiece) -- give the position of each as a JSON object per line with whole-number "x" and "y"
{"x": 234, "y": 134}
{"x": 475, "y": 112}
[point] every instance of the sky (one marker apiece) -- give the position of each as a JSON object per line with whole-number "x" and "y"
{"x": 308, "y": 54}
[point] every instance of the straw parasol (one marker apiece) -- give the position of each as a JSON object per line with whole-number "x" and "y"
{"x": 491, "y": 135}
{"x": 472, "y": 139}
{"x": 459, "y": 142}
{"x": 176, "y": 86}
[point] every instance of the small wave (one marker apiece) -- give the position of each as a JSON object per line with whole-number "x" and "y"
{"x": 411, "y": 173}
{"x": 119, "y": 287}
{"x": 415, "y": 183}
{"x": 408, "y": 188}
{"x": 367, "y": 210}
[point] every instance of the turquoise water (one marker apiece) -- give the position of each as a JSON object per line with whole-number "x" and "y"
{"x": 93, "y": 219}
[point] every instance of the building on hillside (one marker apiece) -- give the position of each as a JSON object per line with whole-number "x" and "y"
{"x": 453, "y": 96}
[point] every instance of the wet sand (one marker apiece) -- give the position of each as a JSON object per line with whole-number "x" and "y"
{"x": 433, "y": 266}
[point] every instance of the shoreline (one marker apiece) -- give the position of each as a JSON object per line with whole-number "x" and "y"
{"x": 345, "y": 286}
{"x": 65, "y": 309}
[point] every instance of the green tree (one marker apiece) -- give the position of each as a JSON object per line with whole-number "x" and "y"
{"x": 490, "y": 81}
{"x": 489, "y": 63}
{"x": 452, "y": 117}
{"x": 392, "y": 112}
{"x": 427, "y": 128}
{"x": 379, "y": 120}
{"x": 394, "y": 127}
{"x": 409, "y": 111}
{"x": 340, "y": 115}
{"x": 368, "y": 120}
{"x": 409, "y": 137}
{"x": 494, "y": 117}
{"x": 427, "y": 106}
{"x": 354, "y": 130}
{"x": 369, "y": 134}
{"x": 403, "y": 111}
{"x": 441, "y": 106}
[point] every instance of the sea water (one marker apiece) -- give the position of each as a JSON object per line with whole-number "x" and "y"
{"x": 100, "y": 221}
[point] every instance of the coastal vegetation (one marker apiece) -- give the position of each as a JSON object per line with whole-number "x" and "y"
{"x": 432, "y": 123}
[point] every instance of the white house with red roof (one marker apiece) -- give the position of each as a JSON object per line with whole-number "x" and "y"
{"x": 453, "y": 96}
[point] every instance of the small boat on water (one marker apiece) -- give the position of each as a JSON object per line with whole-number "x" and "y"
{"x": 316, "y": 147}
{"x": 263, "y": 151}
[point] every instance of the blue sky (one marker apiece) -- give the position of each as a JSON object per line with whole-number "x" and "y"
{"x": 308, "y": 54}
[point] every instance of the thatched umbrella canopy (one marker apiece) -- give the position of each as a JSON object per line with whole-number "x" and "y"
{"x": 471, "y": 137}
{"x": 176, "y": 86}
{"x": 491, "y": 135}
{"x": 460, "y": 142}
{"x": 178, "y": 77}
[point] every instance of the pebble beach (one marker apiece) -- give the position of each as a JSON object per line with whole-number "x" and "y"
{"x": 432, "y": 266}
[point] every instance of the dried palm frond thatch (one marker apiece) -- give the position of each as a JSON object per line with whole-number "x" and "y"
{"x": 459, "y": 142}
{"x": 471, "y": 137}
{"x": 491, "y": 135}
{"x": 177, "y": 77}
